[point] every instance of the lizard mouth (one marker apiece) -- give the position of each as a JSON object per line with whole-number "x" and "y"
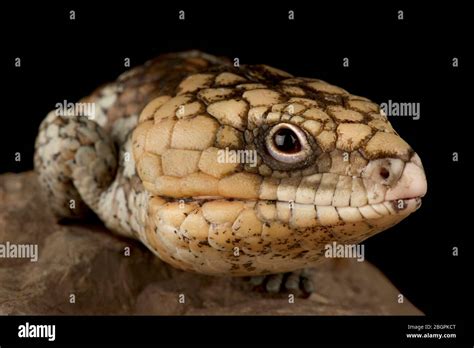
{"x": 376, "y": 202}
{"x": 301, "y": 215}
{"x": 399, "y": 200}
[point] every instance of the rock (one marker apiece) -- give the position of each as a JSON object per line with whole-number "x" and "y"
{"x": 89, "y": 262}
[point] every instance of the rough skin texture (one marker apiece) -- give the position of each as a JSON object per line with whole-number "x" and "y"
{"x": 148, "y": 164}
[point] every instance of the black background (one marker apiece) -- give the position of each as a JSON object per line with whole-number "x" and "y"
{"x": 406, "y": 61}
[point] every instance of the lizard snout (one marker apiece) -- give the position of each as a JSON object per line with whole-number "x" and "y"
{"x": 412, "y": 182}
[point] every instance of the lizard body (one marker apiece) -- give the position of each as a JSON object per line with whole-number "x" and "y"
{"x": 328, "y": 166}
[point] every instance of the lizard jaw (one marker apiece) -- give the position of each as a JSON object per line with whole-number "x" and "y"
{"x": 400, "y": 200}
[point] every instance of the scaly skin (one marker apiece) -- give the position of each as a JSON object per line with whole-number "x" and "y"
{"x": 167, "y": 187}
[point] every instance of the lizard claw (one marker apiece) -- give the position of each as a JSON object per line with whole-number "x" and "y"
{"x": 281, "y": 282}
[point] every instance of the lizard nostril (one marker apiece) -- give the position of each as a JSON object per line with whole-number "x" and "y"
{"x": 384, "y": 173}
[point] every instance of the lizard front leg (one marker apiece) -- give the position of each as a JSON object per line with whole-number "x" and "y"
{"x": 76, "y": 162}
{"x": 80, "y": 170}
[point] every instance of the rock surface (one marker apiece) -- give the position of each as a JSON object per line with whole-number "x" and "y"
{"x": 89, "y": 262}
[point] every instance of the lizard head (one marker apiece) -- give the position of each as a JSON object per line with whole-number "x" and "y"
{"x": 280, "y": 163}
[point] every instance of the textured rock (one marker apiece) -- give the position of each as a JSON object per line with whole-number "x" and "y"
{"x": 88, "y": 261}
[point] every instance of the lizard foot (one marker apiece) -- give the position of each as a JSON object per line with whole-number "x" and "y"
{"x": 291, "y": 281}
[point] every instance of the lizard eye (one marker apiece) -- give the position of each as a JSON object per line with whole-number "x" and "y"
{"x": 285, "y": 140}
{"x": 287, "y": 143}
